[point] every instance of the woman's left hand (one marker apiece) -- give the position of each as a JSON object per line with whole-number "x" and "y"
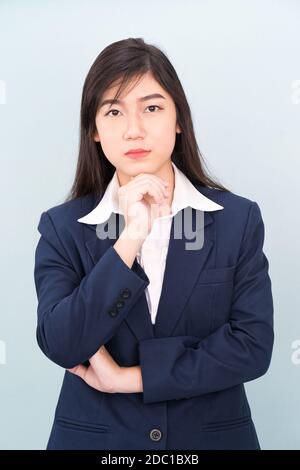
{"x": 102, "y": 373}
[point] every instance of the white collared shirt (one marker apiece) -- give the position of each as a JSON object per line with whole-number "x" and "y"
{"x": 153, "y": 253}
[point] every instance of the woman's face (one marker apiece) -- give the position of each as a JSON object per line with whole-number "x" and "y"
{"x": 134, "y": 123}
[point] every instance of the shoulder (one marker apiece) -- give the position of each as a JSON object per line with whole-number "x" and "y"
{"x": 62, "y": 218}
{"x": 238, "y": 211}
{"x": 73, "y": 209}
{"x": 228, "y": 198}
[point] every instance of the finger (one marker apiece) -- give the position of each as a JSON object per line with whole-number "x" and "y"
{"x": 79, "y": 370}
{"x": 159, "y": 182}
{"x": 138, "y": 193}
{"x": 145, "y": 177}
{"x": 151, "y": 188}
{"x": 160, "y": 187}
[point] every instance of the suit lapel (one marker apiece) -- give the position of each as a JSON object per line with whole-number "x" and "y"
{"x": 138, "y": 319}
{"x": 182, "y": 269}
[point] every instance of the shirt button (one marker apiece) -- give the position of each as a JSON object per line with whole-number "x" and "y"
{"x": 155, "y": 435}
{"x": 120, "y": 304}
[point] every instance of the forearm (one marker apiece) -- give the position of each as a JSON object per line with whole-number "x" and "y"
{"x": 72, "y": 309}
{"x": 126, "y": 247}
{"x": 130, "y": 380}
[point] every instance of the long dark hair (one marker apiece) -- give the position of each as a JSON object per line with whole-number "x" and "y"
{"x": 123, "y": 61}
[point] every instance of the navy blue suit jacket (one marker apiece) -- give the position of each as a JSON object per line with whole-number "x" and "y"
{"x": 213, "y": 330}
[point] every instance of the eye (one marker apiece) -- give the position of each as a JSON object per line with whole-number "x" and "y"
{"x": 107, "y": 114}
{"x": 153, "y": 106}
{"x": 150, "y": 106}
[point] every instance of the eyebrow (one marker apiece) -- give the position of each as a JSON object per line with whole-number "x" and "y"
{"x": 143, "y": 98}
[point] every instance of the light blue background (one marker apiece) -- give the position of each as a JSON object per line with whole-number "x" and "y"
{"x": 238, "y": 62}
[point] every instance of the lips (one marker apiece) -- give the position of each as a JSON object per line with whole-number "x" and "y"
{"x": 140, "y": 150}
{"x": 137, "y": 153}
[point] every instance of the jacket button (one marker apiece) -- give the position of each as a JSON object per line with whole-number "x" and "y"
{"x": 113, "y": 312}
{"x": 125, "y": 293}
{"x": 155, "y": 435}
{"x": 120, "y": 304}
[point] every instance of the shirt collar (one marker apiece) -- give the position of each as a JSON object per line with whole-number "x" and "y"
{"x": 185, "y": 194}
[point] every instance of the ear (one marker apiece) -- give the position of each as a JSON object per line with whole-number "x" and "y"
{"x": 178, "y": 130}
{"x": 96, "y": 137}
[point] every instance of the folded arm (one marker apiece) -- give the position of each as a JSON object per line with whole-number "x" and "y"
{"x": 74, "y": 318}
{"x": 237, "y": 352}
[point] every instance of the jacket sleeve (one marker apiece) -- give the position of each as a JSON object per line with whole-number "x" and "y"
{"x": 238, "y": 351}
{"x": 74, "y": 317}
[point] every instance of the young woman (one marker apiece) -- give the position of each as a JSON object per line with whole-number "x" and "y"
{"x": 157, "y": 334}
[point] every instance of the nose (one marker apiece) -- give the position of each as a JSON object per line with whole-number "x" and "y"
{"x": 134, "y": 128}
